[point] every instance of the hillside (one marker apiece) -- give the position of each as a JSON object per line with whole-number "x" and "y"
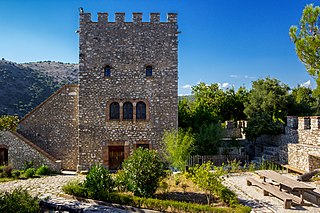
{"x": 24, "y": 86}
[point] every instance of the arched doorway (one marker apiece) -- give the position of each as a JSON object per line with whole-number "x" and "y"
{"x": 3, "y": 156}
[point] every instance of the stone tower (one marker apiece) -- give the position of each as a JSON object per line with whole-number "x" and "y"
{"x": 128, "y": 77}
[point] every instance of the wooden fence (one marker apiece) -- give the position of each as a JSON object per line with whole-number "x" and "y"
{"x": 217, "y": 160}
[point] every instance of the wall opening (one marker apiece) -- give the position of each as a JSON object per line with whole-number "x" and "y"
{"x": 3, "y": 156}
{"x": 116, "y": 157}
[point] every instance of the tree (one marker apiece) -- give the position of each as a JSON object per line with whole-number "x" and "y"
{"x": 207, "y": 140}
{"x": 266, "y": 107}
{"x": 306, "y": 38}
{"x": 179, "y": 145}
{"x": 268, "y": 96}
{"x": 8, "y": 122}
{"x": 143, "y": 172}
{"x": 302, "y": 102}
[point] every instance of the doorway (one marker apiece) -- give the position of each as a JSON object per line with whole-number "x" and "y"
{"x": 3, "y": 156}
{"x": 116, "y": 157}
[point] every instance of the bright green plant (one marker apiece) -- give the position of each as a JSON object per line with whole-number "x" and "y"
{"x": 144, "y": 170}
{"x": 16, "y": 173}
{"x": 179, "y": 145}
{"x": 29, "y": 172}
{"x": 43, "y": 170}
{"x": 121, "y": 181}
{"x": 98, "y": 179}
{"x": 8, "y": 122}
{"x": 205, "y": 179}
{"x": 18, "y": 201}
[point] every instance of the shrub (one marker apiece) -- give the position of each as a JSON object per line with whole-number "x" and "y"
{"x": 27, "y": 165}
{"x": 75, "y": 188}
{"x": 16, "y": 173}
{"x": 6, "y": 171}
{"x": 29, "y": 172}
{"x": 143, "y": 170}
{"x": 121, "y": 181}
{"x": 18, "y": 201}
{"x": 43, "y": 170}
{"x": 98, "y": 179}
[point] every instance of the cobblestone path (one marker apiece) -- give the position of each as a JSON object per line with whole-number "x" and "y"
{"x": 51, "y": 186}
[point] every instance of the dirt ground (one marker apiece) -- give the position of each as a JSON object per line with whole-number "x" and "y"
{"x": 252, "y": 195}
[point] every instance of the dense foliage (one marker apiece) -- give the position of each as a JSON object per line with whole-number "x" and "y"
{"x": 8, "y": 122}
{"x": 19, "y": 201}
{"x": 306, "y": 38}
{"x": 98, "y": 179}
{"x": 143, "y": 169}
{"x": 179, "y": 145}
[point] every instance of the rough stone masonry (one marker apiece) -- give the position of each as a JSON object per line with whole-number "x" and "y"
{"x": 126, "y": 98}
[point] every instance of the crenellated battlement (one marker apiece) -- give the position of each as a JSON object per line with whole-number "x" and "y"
{"x": 304, "y": 123}
{"x": 121, "y": 17}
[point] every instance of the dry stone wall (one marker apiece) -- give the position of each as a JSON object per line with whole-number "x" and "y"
{"x": 53, "y": 126}
{"x": 20, "y": 150}
{"x": 127, "y": 47}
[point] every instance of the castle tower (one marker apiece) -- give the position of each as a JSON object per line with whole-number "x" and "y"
{"x": 128, "y": 77}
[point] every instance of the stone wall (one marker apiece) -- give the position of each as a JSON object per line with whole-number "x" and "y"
{"x": 53, "y": 126}
{"x": 302, "y": 156}
{"x": 127, "y": 48}
{"x": 20, "y": 150}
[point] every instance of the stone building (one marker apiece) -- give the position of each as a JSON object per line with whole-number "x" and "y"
{"x": 126, "y": 97}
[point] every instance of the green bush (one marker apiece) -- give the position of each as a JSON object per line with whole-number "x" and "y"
{"x": 76, "y": 189}
{"x": 29, "y": 172}
{"x": 98, "y": 179}
{"x": 121, "y": 181}
{"x": 43, "y": 170}
{"x": 16, "y": 173}
{"x": 143, "y": 170}
{"x": 18, "y": 201}
{"x": 5, "y": 171}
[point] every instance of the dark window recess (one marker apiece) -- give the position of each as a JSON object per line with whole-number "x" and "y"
{"x": 149, "y": 71}
{"x": 3, "y": 156}
{"x": 127, "y": 111}
{"x": 143, "y": 145}
{"x": 114, "y": 110}
{"x": 141, "y": 110}
{"x": 107, "y": 71}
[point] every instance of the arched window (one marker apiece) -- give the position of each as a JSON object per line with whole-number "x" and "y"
{"x": 114, "y": 110}
{"x": 107, "y": 71}
{"x": 141, "y": 110}
{"x": 148, "y": 71}
{"x": 127, "y": 110}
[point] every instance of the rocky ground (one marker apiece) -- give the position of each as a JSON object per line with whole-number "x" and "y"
{"x": 252, "y": 196}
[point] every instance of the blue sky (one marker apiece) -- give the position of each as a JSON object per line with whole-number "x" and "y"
{"x": 228, "y": 42}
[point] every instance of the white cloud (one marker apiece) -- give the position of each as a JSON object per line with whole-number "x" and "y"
{"x": 233, "y": 76}
{"x": 187, "y": 86}
{"x": 306, "y": 84}
{"x": 225, "y": 85}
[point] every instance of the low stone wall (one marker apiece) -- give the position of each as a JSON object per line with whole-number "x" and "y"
{"x": 299, "y": 156}
{"x": 20, "y": 150}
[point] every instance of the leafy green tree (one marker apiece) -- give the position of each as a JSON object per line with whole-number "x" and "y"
{"x": 233, "y": 105}
{"x": 8, "y": 122}
{"x": 266, "y": 107}
{"x": 179, "y": 145}
{"x": 269, "y": 96}
{"x": 302, "y": 102}
{"x": 143, "y": 170}
{"x": 207, "y": 140}
{"x": 306, "y": 38}
{"x": 185, "y": 113}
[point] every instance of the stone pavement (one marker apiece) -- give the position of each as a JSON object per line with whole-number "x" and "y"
{"x": 51, "y": 187}
{"x": 252, "y": 196}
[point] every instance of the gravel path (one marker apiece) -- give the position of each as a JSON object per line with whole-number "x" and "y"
{"x": 252, "y": 196}
{"x": 51, "y": 186}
